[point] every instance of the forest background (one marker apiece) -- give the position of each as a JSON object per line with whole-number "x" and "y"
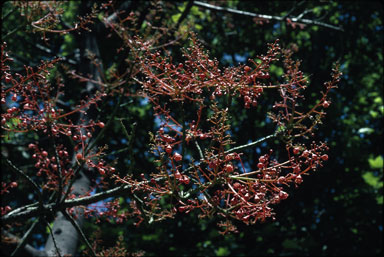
{"x": 338, "y": 208}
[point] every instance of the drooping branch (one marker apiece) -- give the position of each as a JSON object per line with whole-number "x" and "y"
{"x": 266, "y": 17}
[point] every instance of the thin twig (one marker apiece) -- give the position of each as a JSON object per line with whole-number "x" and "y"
{"x": 22, "y": 173}
{"x": 199, "y": 150}
{"x": 23, "y": 240}
{"x": 53, "y": 239}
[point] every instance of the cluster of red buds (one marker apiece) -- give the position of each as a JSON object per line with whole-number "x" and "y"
{"x": 213, "y": 178}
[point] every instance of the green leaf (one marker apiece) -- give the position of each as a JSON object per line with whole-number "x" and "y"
{"x": 378, "y": 100}
{"x": 222, "y": 251}
{"x": 374, "y": 114}
{"x": 176, "y": 17}
{"x": 277, "y": 70}
{"x": 376, "y": 163}
{"x": 372, "y": 180}
{"x": 365, "y": 131}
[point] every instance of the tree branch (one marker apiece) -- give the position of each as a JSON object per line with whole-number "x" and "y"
{"x": 10, "y": 240}
{"x": 22, "y": 243}
{"x": 241, "y": 147}
{"x": 263, "y": 16}
{"x": 33, "y": 211}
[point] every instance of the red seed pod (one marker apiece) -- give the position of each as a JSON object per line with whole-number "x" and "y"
{"x": 178, "y": 175}
{"x": 281, "y": 180}
{"x": 168, "y": 149}
{"x": 247, "y": 68}
{"x": 298, "y": 179}
{"x": 296, "y": 150}
{"x": 229, "y": 168}
{"x": 283, "y": 195}
{"x": 296, "y": 169}
{"x": 182, "y": 208}
{"x": 326, "y": 104}
{"x": 305, "y": 153}
{"x": 212, "y": 164}
{"x": 177, "y": 157}
{"x": 324, "y": 157}
{"x": 79, "y": 156}
{"x": 236, "y": 185}
{"x": 101, "y": 124}
{"x": 229, "y": 157}
{"x": 259, "y": 90}
{"x": 44, "y": 153}
{"x": 185, "y": 180}
{"x": 8, "y": 78}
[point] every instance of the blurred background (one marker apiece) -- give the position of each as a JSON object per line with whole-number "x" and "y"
{"x": 337, "y": 211}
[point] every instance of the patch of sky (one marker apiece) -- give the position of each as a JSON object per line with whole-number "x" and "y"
{"x": 222, "y": 203}
{"x": 241, "y": 58}
{"x": 158, "y": 122}
{"x": 276, "y": 27}
{"x": 344, "y": 17}
{"x": 378, "y": 28}
{"x": 144, "y": 101}
{"x": 234, "y": 59}
{"x": 227, "y": 58}
{"x": 201, "y": 196}
{"x": 247, "y": 167}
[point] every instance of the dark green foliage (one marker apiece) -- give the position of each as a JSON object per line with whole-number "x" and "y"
{"x": 336, "y": 211}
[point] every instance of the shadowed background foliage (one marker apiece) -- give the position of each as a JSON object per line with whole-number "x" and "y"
{"x": 338, "y": 209}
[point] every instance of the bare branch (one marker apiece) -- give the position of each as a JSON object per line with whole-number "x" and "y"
{"x": 241, "y": 147}
{"x": 263, "y": 16}
{"x": 33, "y": 211}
